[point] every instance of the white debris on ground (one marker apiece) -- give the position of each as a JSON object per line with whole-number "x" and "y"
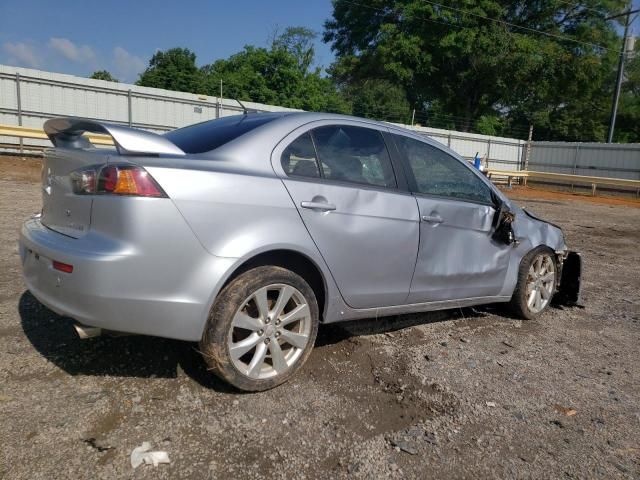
{"x": 141, "y": 455}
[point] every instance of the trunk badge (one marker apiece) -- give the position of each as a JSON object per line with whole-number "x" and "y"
{"x": 68, "y": 213}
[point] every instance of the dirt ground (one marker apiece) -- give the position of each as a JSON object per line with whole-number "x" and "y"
{"x": 470, "y": 393}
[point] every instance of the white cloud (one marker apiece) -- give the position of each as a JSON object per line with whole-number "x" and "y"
{"x": 126, "y": 65}
{"x": 71, "y": 51}
{"x": 22, "y": 54}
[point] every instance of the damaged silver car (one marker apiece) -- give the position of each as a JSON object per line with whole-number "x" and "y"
{"x": 244, "y": 233}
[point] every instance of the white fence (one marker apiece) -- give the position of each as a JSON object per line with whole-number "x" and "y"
{"x": 29, "y": 97}
{"x": 592, "y": 159}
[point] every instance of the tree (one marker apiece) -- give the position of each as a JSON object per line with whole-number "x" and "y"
{"x": 174, "y": 69}
{"x": 480, "y": 60}
{"x": 381, "y": 100}
{"x": 298, "y": 41}
{"x": 280, "y": 75}
{"x": 103, "y": 75}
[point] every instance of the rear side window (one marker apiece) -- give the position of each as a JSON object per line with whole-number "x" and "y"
{"x": 354, "y": 154}
{"x": 438, "y": 173}
{"x": 207, "y": 136}
{"x": 299, "y": 158}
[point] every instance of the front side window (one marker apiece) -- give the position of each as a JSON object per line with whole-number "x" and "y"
{"x": 299, "y": 158}
{"x": 354, "y": 154}
{"x": 438, "y": 173}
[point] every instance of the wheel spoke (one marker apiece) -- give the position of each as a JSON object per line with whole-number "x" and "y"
{"x": 545, "y": 293}
{"x": 532, "y": 297}
{"x": 301, "y": 311}
{"x": 298, "y": 340}
{"x": 258, "y": 359}
{"x": 260, "y": 298}
{"x": 549, "y": 276}
{"x": 277, "y": 357}
{"x": 538, "y": 300}
{"x": 242, "y": 320}
{"x": 238, "y": 349}
{"x": 284, "y": 295}
{"x": 538, "y": 264}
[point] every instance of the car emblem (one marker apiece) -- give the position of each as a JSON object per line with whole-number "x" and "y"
{"x": 68, "y": 213}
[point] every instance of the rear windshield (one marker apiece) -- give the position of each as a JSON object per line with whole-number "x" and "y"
{"x": 207, "y": 136}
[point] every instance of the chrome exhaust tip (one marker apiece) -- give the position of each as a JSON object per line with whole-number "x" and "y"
{"x": 85, "y": 331}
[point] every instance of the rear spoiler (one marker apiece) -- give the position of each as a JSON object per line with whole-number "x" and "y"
{"x": 68, "y": 133}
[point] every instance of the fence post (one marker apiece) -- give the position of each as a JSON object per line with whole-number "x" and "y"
{"x": 19, "y": 105}
{"x": 449, "y": 140}
{"x": 575, "y": 162}
{"x": 130, "y": 107}
{"x": 488, "y": 151}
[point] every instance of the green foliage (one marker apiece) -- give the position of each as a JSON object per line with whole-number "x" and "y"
{"x": 174, "y": 69}
{"x": 281, "y": 75}
{"x": 381, "y": 100}
{"x": 628, "y": 121}
{"x": 485, "y": 74}
{"x": 103, "y": 75}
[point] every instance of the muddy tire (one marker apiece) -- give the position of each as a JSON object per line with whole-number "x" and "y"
{"x": 537, "y": 280}
{"x": 261, "y": 328}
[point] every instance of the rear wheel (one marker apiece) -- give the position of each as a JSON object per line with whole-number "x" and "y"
{"x": 261, "y": 328}
{"x": 536, "y": 285}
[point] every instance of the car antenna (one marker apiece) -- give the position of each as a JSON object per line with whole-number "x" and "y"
{"x": 244, "y": 109}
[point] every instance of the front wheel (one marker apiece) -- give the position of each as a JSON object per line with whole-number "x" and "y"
{"x": 261, "y": 328}
{"x": 536, "y": 285}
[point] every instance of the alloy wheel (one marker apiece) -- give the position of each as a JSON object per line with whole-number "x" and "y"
{"x": 541, "y": 281}
{"x": 269, "y": 331}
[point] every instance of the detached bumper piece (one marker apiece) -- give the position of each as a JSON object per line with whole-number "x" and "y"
{"x": 570, "y": 290}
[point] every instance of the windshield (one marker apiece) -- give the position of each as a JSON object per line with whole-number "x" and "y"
{"x": 207, "y": 136}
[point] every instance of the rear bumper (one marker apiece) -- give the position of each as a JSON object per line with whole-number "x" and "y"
{"x": 119, "y": 287}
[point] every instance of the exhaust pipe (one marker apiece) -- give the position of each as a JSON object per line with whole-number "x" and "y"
{"x": 85, "y": 331}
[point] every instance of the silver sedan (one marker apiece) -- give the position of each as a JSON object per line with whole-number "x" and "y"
{"x": 244, "y": 233}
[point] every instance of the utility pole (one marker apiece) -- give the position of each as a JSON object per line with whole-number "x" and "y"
{"x": 623, "y": 55}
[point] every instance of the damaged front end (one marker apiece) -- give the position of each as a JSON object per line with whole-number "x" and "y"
{"x": 569, "y": 289}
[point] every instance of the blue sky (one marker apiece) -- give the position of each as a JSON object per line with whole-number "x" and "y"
{"x": 80, "y": 36}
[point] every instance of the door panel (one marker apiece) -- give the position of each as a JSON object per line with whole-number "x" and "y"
{"x": 368, "y": 237}
{"x": 457, "y": 257}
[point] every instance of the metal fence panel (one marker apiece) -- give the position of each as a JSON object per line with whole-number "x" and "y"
{"x": 593, "y": 159}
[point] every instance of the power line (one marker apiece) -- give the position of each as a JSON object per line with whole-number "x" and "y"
{"x": 513, "y": 25}
{"x": 573, "y": 5}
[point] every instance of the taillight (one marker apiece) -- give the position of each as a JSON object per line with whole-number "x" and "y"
{"x": 63, "y": 267}
{"x": 116, "y": 180}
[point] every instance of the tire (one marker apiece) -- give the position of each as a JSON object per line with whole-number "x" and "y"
{"x": 261, "y": 328}
{"x": 530, "y": 280}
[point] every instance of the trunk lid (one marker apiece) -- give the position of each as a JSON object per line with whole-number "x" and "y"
{"x": 62, "y": 210}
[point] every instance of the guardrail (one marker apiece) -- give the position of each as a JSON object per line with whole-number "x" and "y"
{"x": 38, "y": 133}
{"x": 567, "y": 179}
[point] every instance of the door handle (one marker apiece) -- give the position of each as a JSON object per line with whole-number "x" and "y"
{"x": 325, "y": 207}
{"x": 432, "y": 218}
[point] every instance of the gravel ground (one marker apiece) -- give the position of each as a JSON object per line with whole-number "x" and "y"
{"x": 470, "y": 393}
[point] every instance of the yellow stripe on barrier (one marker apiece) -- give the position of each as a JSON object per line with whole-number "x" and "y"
{"x": 38, "y": 133}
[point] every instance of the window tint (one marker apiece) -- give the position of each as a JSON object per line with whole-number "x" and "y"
{"x": 299, "y": 158}
{"x": 207, "y": 136}
{"x": 354, "y": 154}
{"x": 438, "y": 173}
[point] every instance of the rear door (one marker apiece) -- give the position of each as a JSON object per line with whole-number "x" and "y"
{"x": 342, "y": 181}
{"x": 458, "y": 257}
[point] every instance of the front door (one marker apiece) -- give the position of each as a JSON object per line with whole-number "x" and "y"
{"x": 458, "y": 257}
{"x": 343, "y": 184}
